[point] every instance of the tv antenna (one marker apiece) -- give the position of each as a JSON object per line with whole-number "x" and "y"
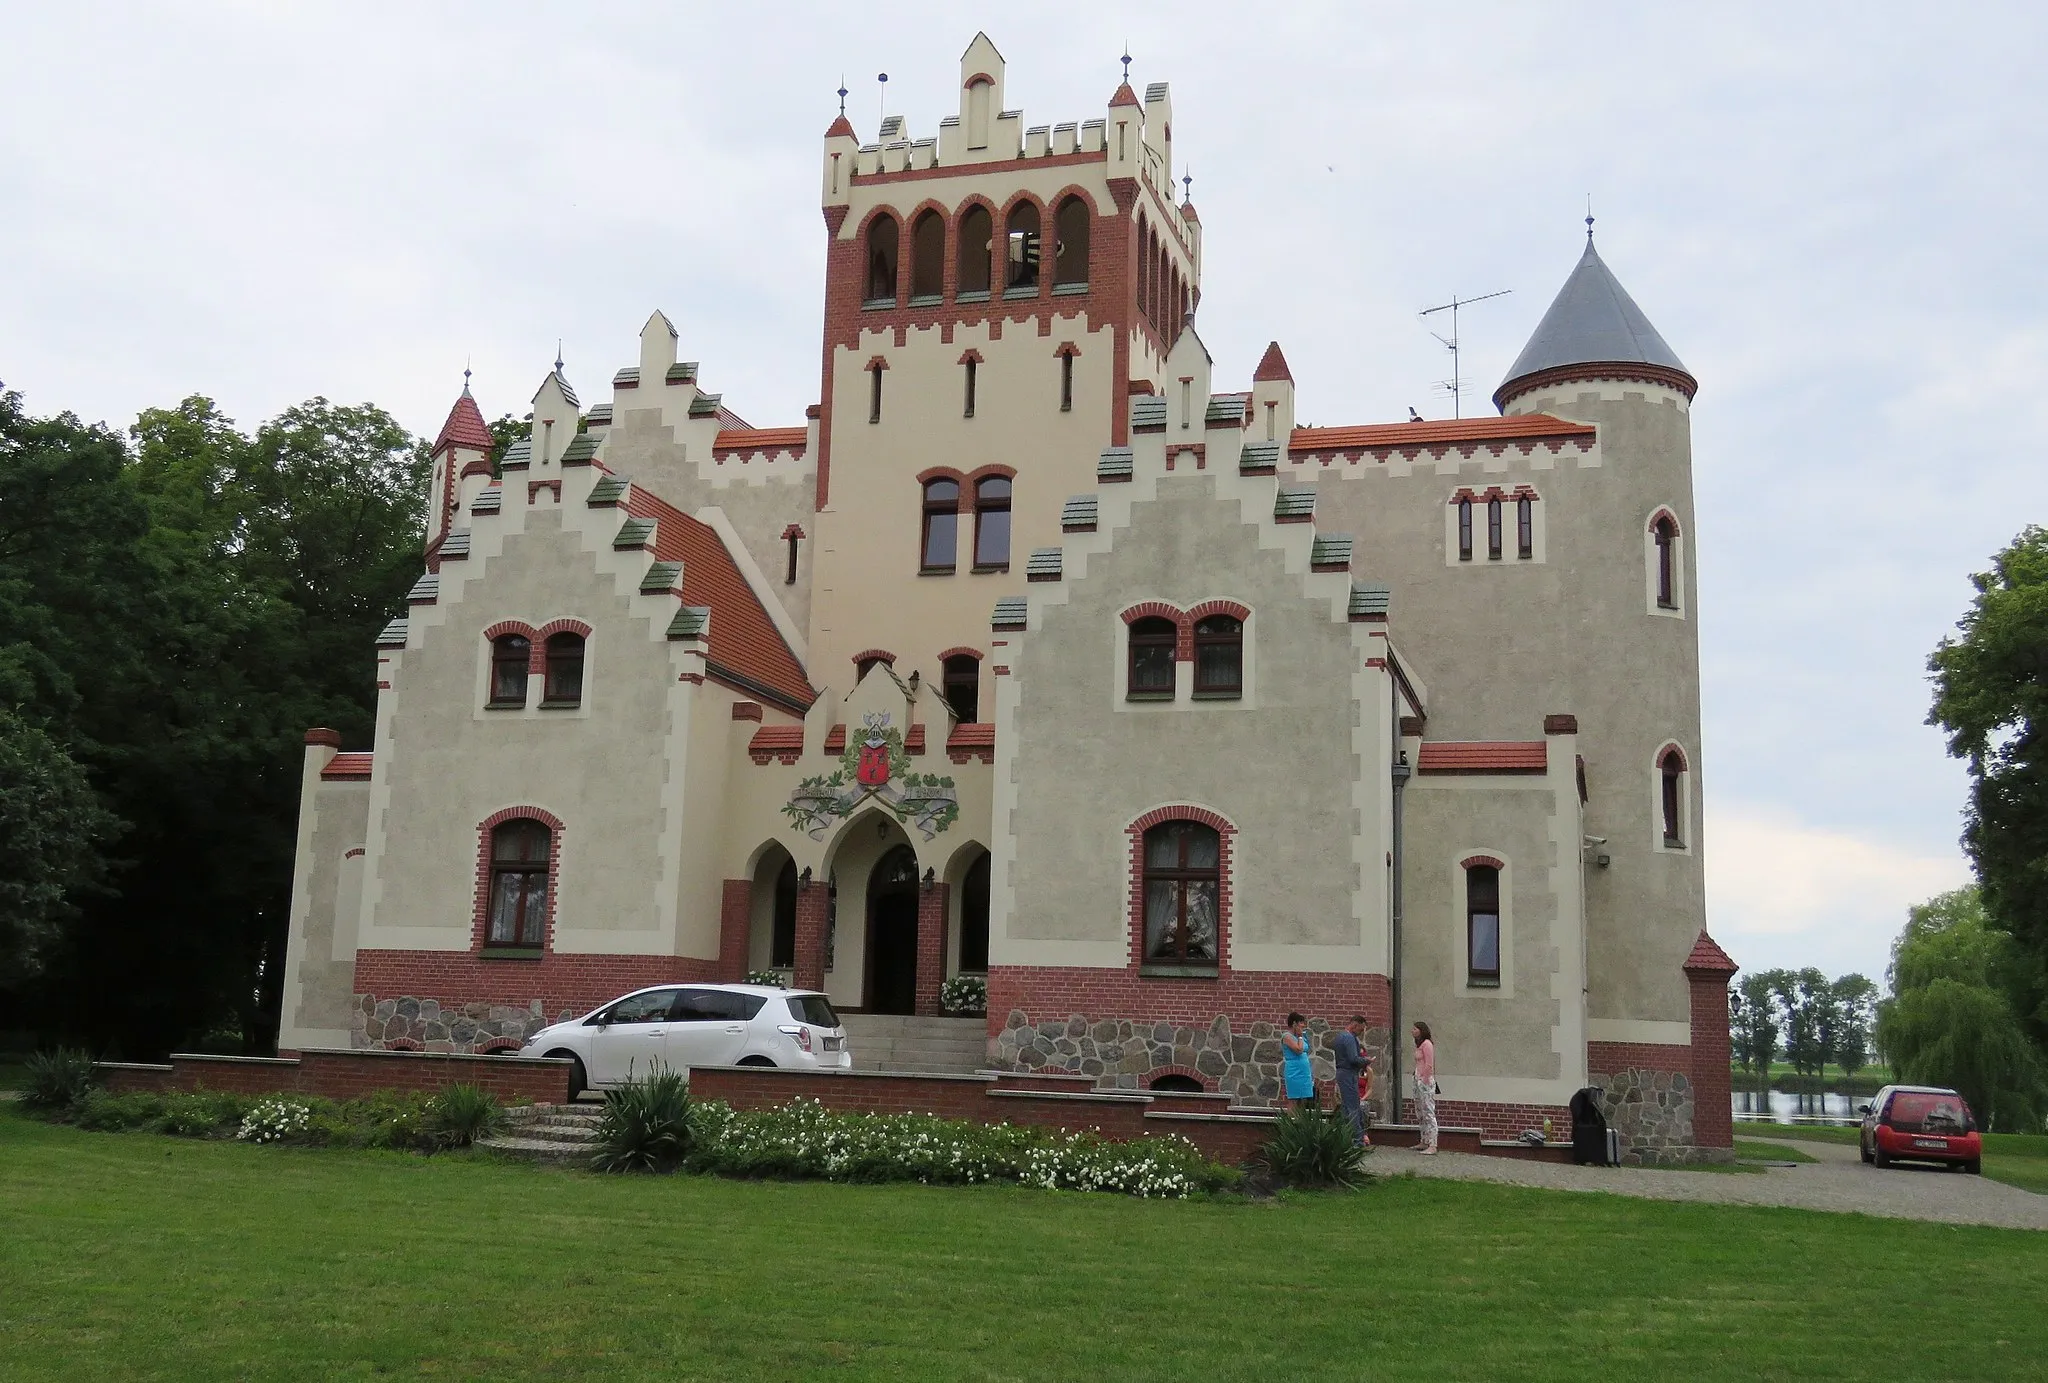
{"x": 1455, "y": 385}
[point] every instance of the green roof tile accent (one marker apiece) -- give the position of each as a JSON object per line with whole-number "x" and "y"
{"x": 1370, "y": 600}
{"x": 691, "y": 622}
{"x": 393, "y": 635}
{"x": 455, "y": 543}
{"x": 1148, "y": 410}
{"x": 1225, "y": 408}
{"x": 599, "y": 416}
{"x": 1078, "y": 512}
{"x": 635, "y": 533}
{"x": 610, "y": 490}
{"x": 1114, "y": 464}
{"x": 627, "y": 378}
{"x": 487, "y": 500}
{"x": 1044, "y": 564}
{"x": 1009, "y": 613}
{"x": 425, "y": 591}
{"x": 580, "y": 451}
{"x": 567, "y": 392}
{"x": 1330, "y": 550}
{"x": 662, "y": 576}
{"x": 704, "y": 405}
{"x": 518, "y": 456}
{"x": 1296, "y": 502}
{"x": 1258, "y": 458}
{"x": 682, "y": 372}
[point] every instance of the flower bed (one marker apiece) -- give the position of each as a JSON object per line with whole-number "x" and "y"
{"x": 806, "y": 1140}
{"x": 410, "y": 1121}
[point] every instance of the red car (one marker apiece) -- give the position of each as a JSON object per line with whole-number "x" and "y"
{"x": 1921, "y": 1123}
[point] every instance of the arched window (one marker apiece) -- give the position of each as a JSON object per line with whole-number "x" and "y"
{"x": 1174, "y": 1083}
{"x": 1183, "y": 876}
{"x": 1219, "y": 656}
{"x": 1493, "y": 529}
{"x": 511, "y": 654}
{"x": 882, "y": 260}
{"x": 1144, "y": 268}
{"x": 1671, "y": 794}
{"x": 1022, "y": 272}
{"x": 974, "y": 918}
{"x": 1151, "y": 658}
{"x": 782, "y": 938}
{"x": 963, "y": 687}
{"x": 863, "y": 666}
{"x": 1482, "y": 924}
{"x": 1664, "y": 533}
{"x": 1070, "y": 255}
{"x": 979, "y": 94}
{"x": 565, "y": 671}
{"x": 1464, "y": 528}
{"x": 1525, "y": 528}
{"x": 977, "y": 234}
{"x": 927, "y": 256}
{"x": 520, "y": 853}
{"x": 991, "y": 523}
{"x": 939, "y": 548}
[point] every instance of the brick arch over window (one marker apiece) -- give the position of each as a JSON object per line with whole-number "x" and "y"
{"x": 480, "y": 919}
{"x": 1183, "y": 623}
{"x": 1226, "y": 837}
{"x": 968, "y": 275}
{"x": 1153, "y": 1076}
{"x": 563, "y": 626}
{"x": 962, "y": 652}
{"x": 1670, "y": 747}
{"x": 874, "y": 655}
{"x": 1220, "y": 607}
{"x": 1664, "y": 515}
{"x": 1479, "y": 861}
{"x": 510, "y": 626}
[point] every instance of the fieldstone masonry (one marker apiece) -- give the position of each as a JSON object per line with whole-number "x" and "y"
{"x": 471, "y": 1028}
{"x": 1652, "y": 1111}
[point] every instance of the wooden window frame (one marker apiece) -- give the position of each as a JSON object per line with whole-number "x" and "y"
{"x": 1231, "y": 638}
{"x": 529, "y": 933}
{"x": 1181, "y": 875}
{"x": 985, "y": 503}
{"x": 1136, "y": 637}
{"x": 558, "y": 655}
{"x": 1475, "y": 977}
{"x": 504, "y": 656}
{"x": 932, "y": 510}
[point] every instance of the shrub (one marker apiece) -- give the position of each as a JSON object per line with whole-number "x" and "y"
{"x": 773, "y": 978}
{"x": 56, "y": 1081}
{"x": 1314, "y": 1147}
{"x": 646, "y": 1125}
{"x": 201, "y": 1114}
{"x": 275, "y": 1120}
{"x": 103, "y": 1112}
{"x": 964, "y": 994}
{"x": 464, "y": 1113}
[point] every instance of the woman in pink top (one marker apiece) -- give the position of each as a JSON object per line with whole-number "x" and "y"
{"x": 1425, "y": 1089}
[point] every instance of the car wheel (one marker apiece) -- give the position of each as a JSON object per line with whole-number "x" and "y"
{"x": 756, "y": 1061}
{"x": 578, "y": 1081}
{"x": 1880, "y": 1157}
{"x": 1975, "y": 1166}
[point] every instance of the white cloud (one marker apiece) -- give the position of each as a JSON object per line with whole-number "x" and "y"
{"x": 1783, "y": 892}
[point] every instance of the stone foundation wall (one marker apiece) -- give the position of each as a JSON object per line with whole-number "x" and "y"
{"x": 1652, "y": 1110}
{"x": 426, "y": 1025}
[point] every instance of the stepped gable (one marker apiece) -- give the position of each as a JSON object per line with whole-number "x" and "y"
{"x": 745, "y": 644}
{"x": 464, "y": 428}
{"x": 1523, "y": 427}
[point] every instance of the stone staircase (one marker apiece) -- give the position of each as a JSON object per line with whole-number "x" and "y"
{"x": 886, "y": 1042}
{"x": 564, "y": 1133}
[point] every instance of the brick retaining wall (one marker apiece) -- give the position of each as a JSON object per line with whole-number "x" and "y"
{"x": 346, "y": 1075}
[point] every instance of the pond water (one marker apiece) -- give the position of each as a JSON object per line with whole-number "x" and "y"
{"x": 1786, "y": 1107}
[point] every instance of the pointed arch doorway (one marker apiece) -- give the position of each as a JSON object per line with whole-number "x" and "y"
{"x": 891, "y": 979}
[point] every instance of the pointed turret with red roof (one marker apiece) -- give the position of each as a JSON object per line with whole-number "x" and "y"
{"x": 463, "y": 445}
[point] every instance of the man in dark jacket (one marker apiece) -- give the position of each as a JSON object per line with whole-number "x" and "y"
{"x": 1352, "y": 1063}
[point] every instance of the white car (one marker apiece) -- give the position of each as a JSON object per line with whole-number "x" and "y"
{"x": 680, "y": 1026}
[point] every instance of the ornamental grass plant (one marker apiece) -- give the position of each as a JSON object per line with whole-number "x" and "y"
{"x": 463, "y": 1114}
{"x": 57, "y": 1080}
{"x": 1313, "y": 1146}
{"x": 646, "y": 1126}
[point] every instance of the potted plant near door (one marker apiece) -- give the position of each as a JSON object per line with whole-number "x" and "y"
{"x": 965, "y": 996}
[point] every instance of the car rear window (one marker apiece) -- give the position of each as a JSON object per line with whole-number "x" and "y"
{"x": 814, "y": 1009}
{"x": 1918, "y": 1112}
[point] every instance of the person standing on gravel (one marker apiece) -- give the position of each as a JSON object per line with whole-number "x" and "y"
{"x": 1352, "y": 1062}
{"x": 1425, "y": 1089}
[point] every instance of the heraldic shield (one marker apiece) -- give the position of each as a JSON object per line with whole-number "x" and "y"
{"x": 874, "y": 768}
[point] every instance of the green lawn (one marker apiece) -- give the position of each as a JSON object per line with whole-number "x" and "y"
{"x": 2017, "y": 1159}
{"x": 131, "y": 1256}
{"x": 1770, "y": 1152}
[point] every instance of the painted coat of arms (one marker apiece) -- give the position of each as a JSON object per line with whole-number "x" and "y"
{"x": 875, "y": 769}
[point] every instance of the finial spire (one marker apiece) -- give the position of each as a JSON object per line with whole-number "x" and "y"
{"x": 1187, "y": 183}
{"x": 465, "y": 376}
{"x": 1126, "y": 60}
{"x": 1589, "y": 218}
{"x": 558, "y": 355}
{"x": 842, "y": 93}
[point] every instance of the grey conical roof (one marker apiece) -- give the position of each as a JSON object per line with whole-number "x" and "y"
{"x": 1592, "y": 321}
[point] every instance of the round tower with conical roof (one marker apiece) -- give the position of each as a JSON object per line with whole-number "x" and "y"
{"x": 1628, "y": 580}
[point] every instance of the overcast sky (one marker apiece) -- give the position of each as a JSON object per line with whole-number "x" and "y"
{"x": 1833, "y": 213}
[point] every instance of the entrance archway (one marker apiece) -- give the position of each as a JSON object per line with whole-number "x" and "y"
{"x": 892, "y": 934}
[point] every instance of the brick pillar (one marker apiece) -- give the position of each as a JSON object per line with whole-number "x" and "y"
{"x": 1706, "y": 971}
{"x": 735, "y": 929}
{"x": 812, "y": 902}
{"x": 931, "y": 946}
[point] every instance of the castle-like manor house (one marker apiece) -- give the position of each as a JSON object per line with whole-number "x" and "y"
{"x": 1037, "y": 652}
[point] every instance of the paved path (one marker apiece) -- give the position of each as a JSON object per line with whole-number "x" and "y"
{"x": 1838, "y": 1181}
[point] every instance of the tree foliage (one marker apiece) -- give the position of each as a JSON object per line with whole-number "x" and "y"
{"x": 1753, "y": 1024}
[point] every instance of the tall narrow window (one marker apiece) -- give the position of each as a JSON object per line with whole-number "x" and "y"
{"x": 968, "y": 411}
{"x": 991, "y": 524}
{"x": 882, "y": 260}
{"x": 974, "y": 918}
{"x": 795, "y": 536}
{"x": 1482, "y": 925}
{"x": 927, "y": 257}
{"x": 1066, "y": 384}
{"x": 1183, "y": 876}
{"x": 1219, "y": 656}
{"x": 1151, "y": 658}
{"x": 565, "y": 671}
{"x": 1464, "y": 530}
{"x": 963, "y": 687}
{"x": 874, "y": 393}
{"x": 1665, "y": 534}
{"x": 976, "y": 248}
{"x": 979, "y": 95}
{"x": 1070, "y": 256}
{"x": 1525, "y": 528}
{"x": 1671, "y": 771}
{"x": 782, "y": 939}
{"x": 1493, "y": 530}
{"x": 1022, "y": 271}
{"x": 519, "y": 884}
{"x": 511, "y": 655}
{"x": 939, "y": 546}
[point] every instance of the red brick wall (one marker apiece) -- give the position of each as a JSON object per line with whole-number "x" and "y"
{"x": 1713, "y": 1118}
{"x": 338, "y": 1075}
{"x": 1243, "y": 996}
{"x": 1608, "y": 1058}
{"x": 560, "y": 981}
{"x": 812, "y": 904}
{"x": 735, "y": 929}
{"x": 1497, "y": 1120}
{"x": 931, "y": 946}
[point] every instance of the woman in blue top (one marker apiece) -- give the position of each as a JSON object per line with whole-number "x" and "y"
{"x": 1301, "y": 1081}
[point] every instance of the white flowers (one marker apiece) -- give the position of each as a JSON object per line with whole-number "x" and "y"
{"x": 274, "y": 1120}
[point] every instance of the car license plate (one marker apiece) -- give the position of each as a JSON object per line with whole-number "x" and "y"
{"x": 1938, "y": 1144}
{"x": 833, "y": 1044}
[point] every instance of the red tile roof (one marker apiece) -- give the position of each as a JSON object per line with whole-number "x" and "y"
{"x": 773, "y": 739}
{"x": 464, "y": 428}
{"x": 1520, "y": 428}
{"x": 347, "y": 768}
{"x": 761, "y": 439}
{"x": 972, "y": 734}
{"x": 1124, "y": 96}
{"x": 839, "y": 127}
{"x": 1484, "y": 756}
{"x": 1708, "y": 957}
{"x": 1272, "y": 365}
{"x": 745, "y": 644}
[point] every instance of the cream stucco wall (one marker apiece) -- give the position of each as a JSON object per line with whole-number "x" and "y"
{"x": 320, "y": 955}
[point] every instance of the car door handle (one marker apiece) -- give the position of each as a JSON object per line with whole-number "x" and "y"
{"x": 656, "y": 1031}
{"x": 736, "y": 1027}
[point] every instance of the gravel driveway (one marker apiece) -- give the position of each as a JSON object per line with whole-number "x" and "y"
{"x": 1838, "y": 1181}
